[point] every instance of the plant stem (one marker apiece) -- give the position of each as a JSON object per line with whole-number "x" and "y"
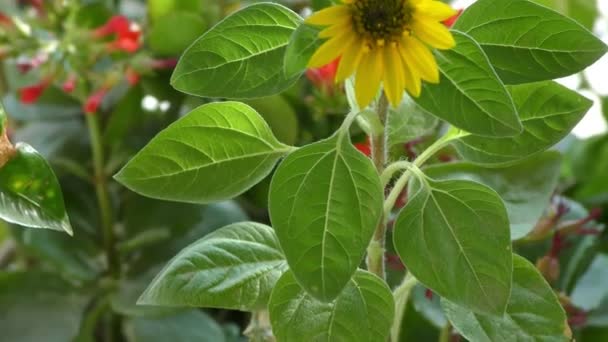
{"x": 375, "y": 251}
{"x": 401, "y": 295}
{"x": 103, "y": 198}
{"x": 444, "y": 335}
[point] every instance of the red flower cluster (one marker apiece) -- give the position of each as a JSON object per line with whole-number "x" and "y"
{"x": 30, "y": 94}
{"x": 127, "y": 35}
{"x": 323, "y": 77}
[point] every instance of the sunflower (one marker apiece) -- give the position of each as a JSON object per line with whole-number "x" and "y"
{"x": 383, "y": 41}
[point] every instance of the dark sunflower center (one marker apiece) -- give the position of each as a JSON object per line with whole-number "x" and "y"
{"x": 381, "y": 20}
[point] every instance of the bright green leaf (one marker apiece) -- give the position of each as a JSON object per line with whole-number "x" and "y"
{"x": 325, "y": 203}
{"x": 302, "y": 45}
{"x": 470, "y": 95}
{"x": 234, "y": 267}
{"x": 548, "y": 112}
{"x": 30, "y": 194}
{"x": 279, "y": 115}
{"x": 454, "y": 237}
{"x": 159, "y": 8}
{"x": 241, "y": 57}
{"x": 408, "y": 122}
{"x": 533, "y": 312}
{"x": 363, "y": 311}
{"x": 527, "y": 42}
{"x": 193, "y": 325}
{"x": 216, "y": 152}
{"x": 174, "y": 32}
{"x": 526, "y": 188}
{"x": 584, "y": 12}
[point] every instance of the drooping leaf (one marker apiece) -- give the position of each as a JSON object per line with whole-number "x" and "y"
{"x": 39, "y": 307}
{"x": 30, "y": 194}
{"x": 527, "y": 42}
{"x": 302, "y": 45}
{"x": 470, "y": 95}
{"x": 362, "y": 312}
{"x": 453, "y": 236}
{"x": 235, "y": 267}
{"x": 240, "y": 57}
{"x": 548, "y": 112}
{"x": 525, "y": 188}
{"x": 533, "y": 312}
{"x": 408, "y": 122}
{"x": 325, "y": 202}
{"x": 216, "y": 152}
{"x": 192, "y": 325}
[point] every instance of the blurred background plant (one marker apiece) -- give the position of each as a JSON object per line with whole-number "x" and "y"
{"x": 87, "y": 84}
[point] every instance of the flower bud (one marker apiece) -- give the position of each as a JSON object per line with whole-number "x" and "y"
{"x": 549, "y": 267}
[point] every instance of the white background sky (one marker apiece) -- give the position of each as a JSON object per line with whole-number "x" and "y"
{"x": 597, "y": 76}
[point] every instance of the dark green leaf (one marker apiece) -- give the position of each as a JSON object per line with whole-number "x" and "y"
{"x": 241, "y": 56}
{"x": 235, "y": 267}
{"x": 470, "y": 95}
{"x": 325, "y": 202}
{"x": 302, "y": 45}
{"x": 454, "y": 237}
{"x": 526, "y": 188}
{"x": 30, "y": 194}
{"x": 548, "y": 112}
{"x": 533, "y": 312}
{"x": 363, "y": 311}
{"x": 527, "y": 42}
{"x": 216, "y": 152}
{"x": 408, "y": 122}
{"x": 193, "y": 325}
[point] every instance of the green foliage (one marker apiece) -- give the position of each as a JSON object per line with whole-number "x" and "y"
{"x": 362, "y": 312}
{"x": 325, "y": 202}
{"x": 174, "y": 32}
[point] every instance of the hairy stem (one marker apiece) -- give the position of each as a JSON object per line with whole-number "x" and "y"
{"x": 375, "y": 251}
{"x": 401, "y": 295}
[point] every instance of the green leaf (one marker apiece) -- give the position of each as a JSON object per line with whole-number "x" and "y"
{"x": 30, "y": 194}
{"x": 527, "y": 42}
{"x": 216, "y": 152}
{"x": 193, "y": 325}
{"x": 525, "y": 188}
{"x": 548, "y": 112}
{"x": 408, "y": 122}
{"x": 240, "y": 57}
{"x": 453, "y": 236}
{"x": 363, "y": 312}
{"x": 588, "y": 293}
{"x": 174, "y": 32}
{"x": 279, "y": 115}
{"x": 160, "y": 8}
{"x": 583, "y": 11}
{"x": 325, "y": 202}
{"x": 302, "y": 45}
{"x": 235, "y": 267}
{"x": 533, "y": 312}
{"x": 39, "y": 307}
{"x": 470, "y": 95}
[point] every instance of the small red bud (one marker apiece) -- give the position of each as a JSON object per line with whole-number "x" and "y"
{"x": 114, "y": 25}
{"x": 93, "y": 102}
{"x": 31, "y": 94}
{"x": 429, "y": 294}
{"x": 549, "y": 267}
{"x": 70, "y": 84}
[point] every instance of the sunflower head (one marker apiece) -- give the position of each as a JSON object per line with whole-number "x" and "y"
{"x": 383, "y": 41}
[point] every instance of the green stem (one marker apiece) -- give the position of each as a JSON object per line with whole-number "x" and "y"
{"x": 401, "y": 295}
{"x": 444, "y": 335}
{"x": 103, "y": 197}
{"x": 375, "y": 251}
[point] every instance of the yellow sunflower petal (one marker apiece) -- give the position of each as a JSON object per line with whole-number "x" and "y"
{"x": 330, "y": 50}
{"x": 393, "y": 76}
{"x": 435, "y": 10}
{"x": 421, "y": 58}
{"x": 329, "y": 16}
{"x": 335, "y": 30}
{"x": 369, "y": 75}
{"x": 410, "y": 75}
{"x": 351, "y": 57}
{"x": 433, "y": 33}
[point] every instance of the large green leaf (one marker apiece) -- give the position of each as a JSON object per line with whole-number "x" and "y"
{"x": 470, "y": 95}
{"x": 235, "y": 267}
{"x": 39, "y": 307}
{"x": 193, "y": 325}
{"x": 548, "y": 112}
{"x": 527, "y": 42}
{"x": 408, "y": 121}
{"x": 453, "y": 236}
{"x": 216, "y": 152}
{"x": 325, "y": 202}
{"x": 30, "y": 194}
{"x": 241, "y": 57}
{"x": 363, "y": 312}
{"x": 533, "y": 312}
{"x": 584, "y": 12}
{"x": 526, "y": 187}
{"x": 302, "y": 45}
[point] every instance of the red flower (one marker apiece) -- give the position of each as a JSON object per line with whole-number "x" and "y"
{"x": 93, "y": 102}
{"x": 364, "y": 147}
{"x": 127, "y": 34}
{"x": 449, "y": 22}
{"x": 114, "y": 25}
{"x": 126, "y": 41}
{"x": 323, "y": 77}
{"x": 29, "y": 95}
{"x": 5, "y": 20}
{"x": 132, "y": 76}
{"x": 70, "y": 84}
